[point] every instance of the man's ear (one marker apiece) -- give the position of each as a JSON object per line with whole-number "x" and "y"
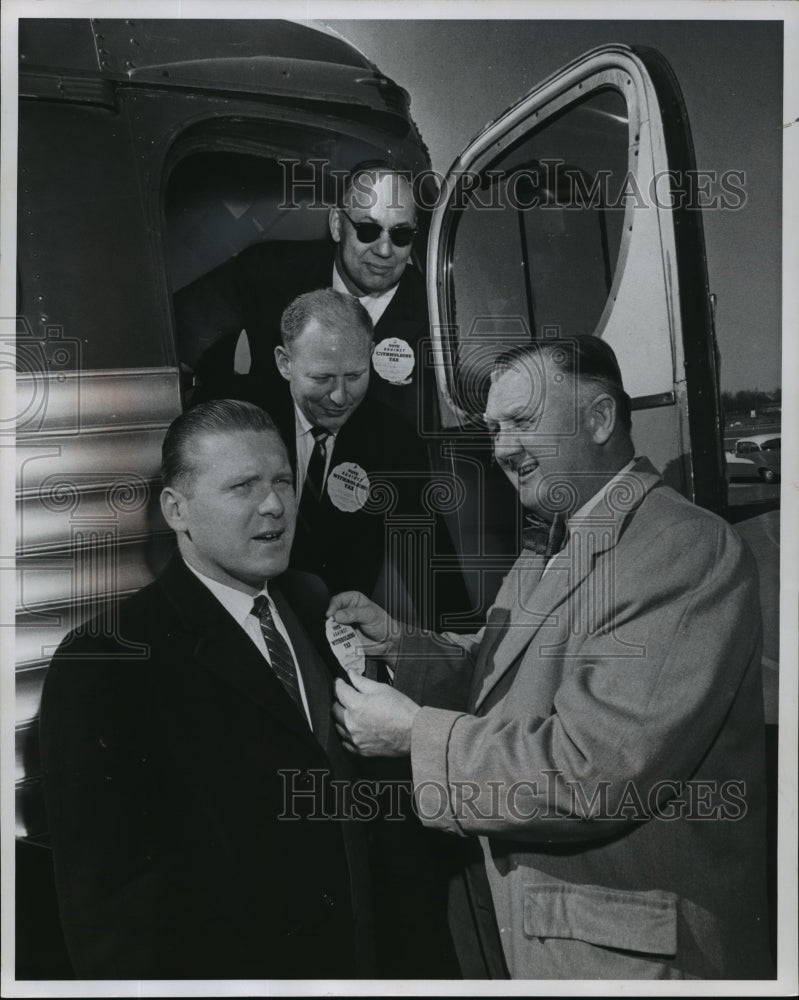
{"x": 173, "y": 508}
{"x": 334, "y": 223}
{"x": 283, "y": 362}
{"x": 602, "y": 418}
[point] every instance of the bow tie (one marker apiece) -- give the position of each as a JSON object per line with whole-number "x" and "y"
{"x": 545, "y": 539}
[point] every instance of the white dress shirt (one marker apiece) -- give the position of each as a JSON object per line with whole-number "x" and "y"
{"x": 375, "y": 305}
{"x": 239, "y": 606}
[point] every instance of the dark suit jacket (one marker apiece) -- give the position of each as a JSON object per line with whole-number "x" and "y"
{"x": 347, "y": 549}
{"x": 399, "y": 524}
{"x": 251, "y": 291}
{"x": 168, "y": 752}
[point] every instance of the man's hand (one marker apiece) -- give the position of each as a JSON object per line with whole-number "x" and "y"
{"x": 379, "y": 633}
{"x": 373, "y": 719}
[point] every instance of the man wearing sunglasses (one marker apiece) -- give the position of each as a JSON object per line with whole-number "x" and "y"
{"x": 373, "y": 230}
{"x": 237, "y": 308}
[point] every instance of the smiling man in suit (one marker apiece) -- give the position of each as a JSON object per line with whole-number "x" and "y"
{"x": 372, "y": 228}
{"x": 361, "y": 470}
{"x": 188, "y": 757}
{"x": 598, "y": 746}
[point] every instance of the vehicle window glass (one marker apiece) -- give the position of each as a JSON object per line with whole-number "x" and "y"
{"x": 745, "y": 446}
{"x": 538, "y": 236}
{"x": 773, "y": 444}
{"x": 218, "y": 204}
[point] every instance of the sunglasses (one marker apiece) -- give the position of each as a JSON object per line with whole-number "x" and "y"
{"x": 368, "y": 232}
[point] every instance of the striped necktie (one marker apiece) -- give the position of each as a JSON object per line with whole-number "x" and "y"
{"x": 315, "y": 476}
{"x": 278, "y": 649}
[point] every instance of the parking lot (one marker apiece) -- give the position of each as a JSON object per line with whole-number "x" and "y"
{"x": 741, "y": 493}
{"x": 755, "y": 496}
{"x": 747, "y": 427}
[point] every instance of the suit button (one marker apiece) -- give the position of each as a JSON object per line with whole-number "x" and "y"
{"x": 328, "y": 898}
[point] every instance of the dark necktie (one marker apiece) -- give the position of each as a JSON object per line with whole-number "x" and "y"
{"x": 545, "y": 539}
{"x": 278, "y": 649}
{"x": 315, "y": 476}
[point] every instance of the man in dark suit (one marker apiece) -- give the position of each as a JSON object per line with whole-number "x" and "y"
{"x": 229, "y": 320}
{"x": 362, "y": 474}
{"x": 188, "y": 758}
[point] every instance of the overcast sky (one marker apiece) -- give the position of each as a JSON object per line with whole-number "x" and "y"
{"x": 462, "y": 74}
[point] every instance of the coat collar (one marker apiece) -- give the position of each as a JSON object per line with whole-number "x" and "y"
{"x": 535, "y": 600}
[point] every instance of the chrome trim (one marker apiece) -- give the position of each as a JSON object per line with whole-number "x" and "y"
{"x": 558, "y": 90}
{"x": 29, "y": 682}
{"x": 38, "y": 639}
{"x": 106, "y": 400}
{"x": 54, "y": 579}
{"x": 89, "y": 528}
{"x": 649, "y": 402}
{"x": 27, "y": 762}
{"x": 30, "y": 813}
{"x": 66, "y": 87}
{"x": 118, "y": 459}
{"x": 48, "y": 519}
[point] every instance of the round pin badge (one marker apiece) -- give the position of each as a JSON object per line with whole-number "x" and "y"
{"x": 346, "y": 646}
{"x": 393, "y": 360}
{"x": 348, "y": 487}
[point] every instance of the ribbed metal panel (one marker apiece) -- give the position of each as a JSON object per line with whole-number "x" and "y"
{"x": 75, "y": 402}
{"x": 29, "y": 687}
{"x": 48, "y": 518}
{"x": 89, "y": 528}
{"x": 31, "y": 817}
{"x": 70, "y": 587}
{"x": 26, "y": 749}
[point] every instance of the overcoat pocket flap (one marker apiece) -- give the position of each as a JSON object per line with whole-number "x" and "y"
{"x": 633, "y": 921}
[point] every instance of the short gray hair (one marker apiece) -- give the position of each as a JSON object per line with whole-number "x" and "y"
{"x": 330, "y": 309}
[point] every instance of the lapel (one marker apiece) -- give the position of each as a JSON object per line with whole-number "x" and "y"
{"x": 393, "y": 314}
{"x": 224, "y": 648}
{"x": 354, "y": 441}
{"x": 404, "y": 314}
{"x": 510, "y": 619}
{"x": 496, "y": 623}
{"x": 536, "y": 600}
{"x": 280, "y": 408}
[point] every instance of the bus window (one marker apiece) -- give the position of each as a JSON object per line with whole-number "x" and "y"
{"x": 539, "y": 237}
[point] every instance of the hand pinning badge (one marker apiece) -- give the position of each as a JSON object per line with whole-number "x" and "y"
{"x": 346, "y": 646}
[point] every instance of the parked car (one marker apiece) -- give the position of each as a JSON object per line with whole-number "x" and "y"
{"x": 755, "y": 456}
